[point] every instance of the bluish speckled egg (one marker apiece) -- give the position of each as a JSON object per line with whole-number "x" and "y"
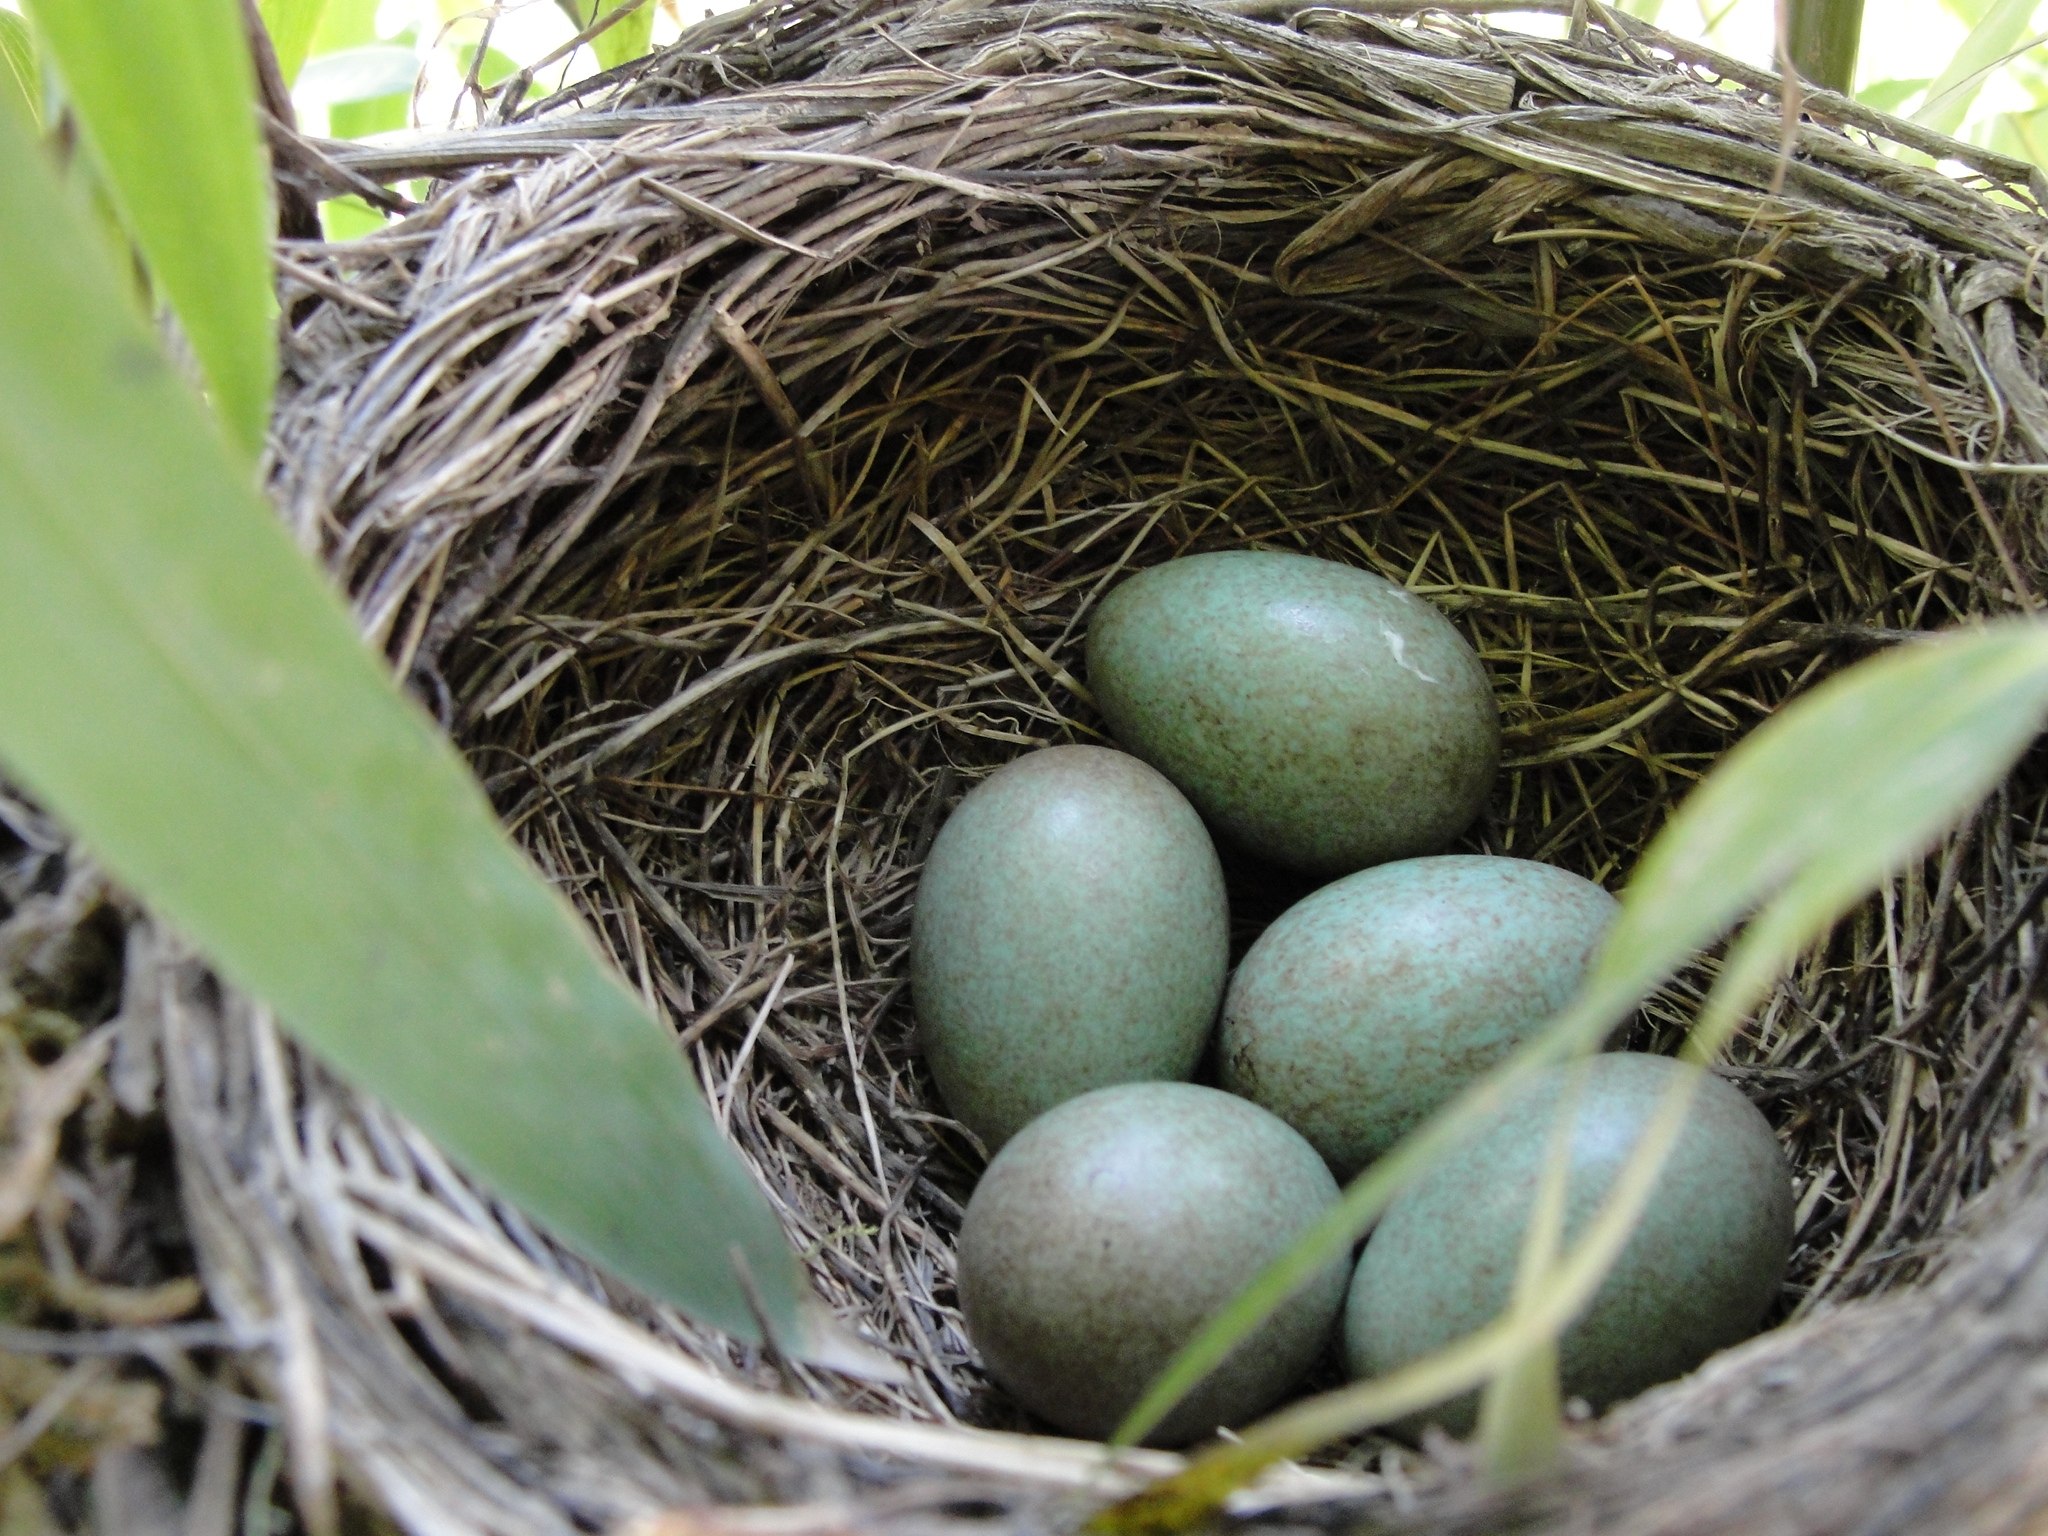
{"x": 1697, "y": 1275}
{"x": 1374, "y": 1000}
{"x": 1318, "y": 715}
{"x": 1071, "y": 931}
{"x": 1111, "y": 1228}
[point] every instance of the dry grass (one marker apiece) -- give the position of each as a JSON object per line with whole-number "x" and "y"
{"x": 734, "y": 468}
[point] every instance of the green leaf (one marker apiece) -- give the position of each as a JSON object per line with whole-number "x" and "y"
{"x": 292, "y": 25}
{"x": 346, "y": 24}
{"x": 367, "y": 73}
{"x": 360, "y": 119}
{"x": 165, "y": 94}
{"x": 1890, "y": 95}
{"x": 1826, "y": 798}
{"x": 497, "y": 67}
{"x": 1804, "y": 816}
{"x": 625, "y": 39}
{"x": 2023, "y": 135}
{"x": 19, "y": 80}
{"x": 363, "y": 91}
{"x": 349, "y": 218}
{"x": 1988, "y": 46}
{"x": 182, "y": 688}
{"x": 1521, "y": 1424}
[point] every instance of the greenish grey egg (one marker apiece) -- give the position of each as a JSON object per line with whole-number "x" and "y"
{"x": 1071, "y": 931}
{"x": 1695, "y": 1276}
{"x": 1111, "y": 1228}
{"x": 1370, "y": 1003}
{"x": 1318, "y": 715}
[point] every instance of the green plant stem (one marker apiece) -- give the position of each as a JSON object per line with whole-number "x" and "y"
{"x": 1821, "y": 36}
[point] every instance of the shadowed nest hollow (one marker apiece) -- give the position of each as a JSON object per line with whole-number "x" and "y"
{"x": 732, "y": 456}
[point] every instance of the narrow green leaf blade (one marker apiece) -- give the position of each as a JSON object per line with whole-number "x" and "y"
{"x": 19, "y": 82}
{"x": 625, "y": 39}
{"x": 1988, "y": 45}
{"x": 183, "y": 689}
{"x": 292, "y": 25}
{"x": 1818, "y": 804}
{"x": 1828, "y": 796}
{"x": 165, "y": 93}
{"x": 1890, "y": 95}
{"x": 346, "y": 24}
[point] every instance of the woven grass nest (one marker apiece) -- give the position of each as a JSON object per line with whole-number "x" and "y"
{"x": 731, "y": 457}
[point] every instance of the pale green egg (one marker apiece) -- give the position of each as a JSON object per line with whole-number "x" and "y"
{"x": 1697, "y": 1274}
{"x": 1070, "y": 932}
{"x": 1318, "y": 715}
{"x": 1371, "y": 1002}
{"x": 1111, "y": 1228}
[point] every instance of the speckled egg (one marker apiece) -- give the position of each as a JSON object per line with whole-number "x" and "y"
{"x": 1318, "y": 715}
{"x": 1697, "y": 1275}
{"x": 1110, "y": 1229}
{"x": 1070, "y": 931}
{"x": 1374, "y": 1000}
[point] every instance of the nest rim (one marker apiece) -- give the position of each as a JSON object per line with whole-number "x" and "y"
{"x": 478, "y": 555}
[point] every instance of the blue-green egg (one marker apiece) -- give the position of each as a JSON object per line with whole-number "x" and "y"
{"x": 1318, "y": 715}
{"x": 1071, "y": 931}
{"x": 1111, "y": 1228}
{"x": 1372, "y": 1001}
{"x": 1696, "y": 1275}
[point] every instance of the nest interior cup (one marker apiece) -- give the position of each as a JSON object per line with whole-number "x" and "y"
{"x": 733, "y": 462}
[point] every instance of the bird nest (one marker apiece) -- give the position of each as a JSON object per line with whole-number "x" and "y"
{"x": 732, "y": 456}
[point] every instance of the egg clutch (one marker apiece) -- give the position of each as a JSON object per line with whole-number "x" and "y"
{"x": 1070, "y": 959}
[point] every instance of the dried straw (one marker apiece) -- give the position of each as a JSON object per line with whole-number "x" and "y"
{"x": 732, "y": 456}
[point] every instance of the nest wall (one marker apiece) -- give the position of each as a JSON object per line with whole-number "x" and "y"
{"x": 733, "y": 463}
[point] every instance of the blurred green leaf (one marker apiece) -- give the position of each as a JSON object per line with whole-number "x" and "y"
{"x": 1989, "y": 45}
{"x": 291, "y": 25}
{"x": 625, "y": 39}
{"x": 19, "y": 80}
{"x": 363, "y": 91}
{"x": 360, "y": 119}
{"x": 368, "y": 73}
{"x": 496, "y": 69}
{"x": 183, "y": 689}
{"x": 349, "y": 218}
{"x": 1890, "y": 95}
{"x": 165, "y": 95}
{"x": 1803, "y": 817}
{"x": 2023, "y": 135}
{"x": 346, "y": 24}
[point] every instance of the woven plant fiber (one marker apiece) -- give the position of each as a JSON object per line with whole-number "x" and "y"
{"x": 731, "y": 456}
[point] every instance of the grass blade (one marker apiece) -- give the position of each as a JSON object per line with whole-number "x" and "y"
{"x": 187, "y": 172}
{"x": 1803, "y": 818}
{"x": 291, "y": 25}
{"x": 182, "y": 688}
{"x": 19, "y": 82}
{"x": 1990, "y": 43}
{"x": 625, "y": 39}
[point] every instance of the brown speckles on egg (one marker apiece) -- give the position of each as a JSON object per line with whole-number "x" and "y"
{"x": 1317, "y": 714}
{"x": 1374, "y": 1000}
{"x": 1071, "y": 931}
{"x": 1111, "y": 1228}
